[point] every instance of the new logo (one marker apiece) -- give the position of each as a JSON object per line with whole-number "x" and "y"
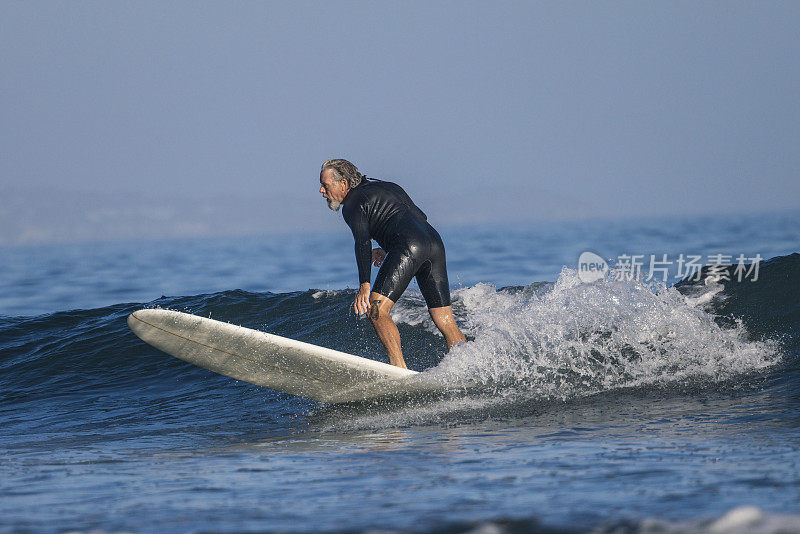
{"x": 591, "y": 267}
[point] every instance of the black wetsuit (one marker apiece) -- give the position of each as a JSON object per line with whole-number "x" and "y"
{"x": 383, "y": 211}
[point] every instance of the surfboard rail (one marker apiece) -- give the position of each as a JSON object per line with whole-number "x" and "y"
{"x": 272, "y": 361}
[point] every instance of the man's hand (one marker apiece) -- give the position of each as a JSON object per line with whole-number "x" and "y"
{"x": 378, "y": 255}
{"x": 361, "y": 304}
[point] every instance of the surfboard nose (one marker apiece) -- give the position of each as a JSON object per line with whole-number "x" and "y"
{"x": 137, "y": 321}
{"x": 134, "y": 321}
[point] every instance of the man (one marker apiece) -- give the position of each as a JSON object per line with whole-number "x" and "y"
{"x": 410, "y": 247}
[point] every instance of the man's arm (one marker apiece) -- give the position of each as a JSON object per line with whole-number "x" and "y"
{"x": 357, "y": 221}
{"x": 358, "y": 224}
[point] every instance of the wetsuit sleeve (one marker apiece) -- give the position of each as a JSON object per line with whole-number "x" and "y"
{"x": 357, "y": 221}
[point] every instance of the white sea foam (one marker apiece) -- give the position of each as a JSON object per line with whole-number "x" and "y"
{"x": 580, "y": 339}
{"x": 742, "y": 520}
{"x": 329, "y": 293}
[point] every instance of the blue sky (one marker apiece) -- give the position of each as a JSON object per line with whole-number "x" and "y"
{"x": 151, "y": 119}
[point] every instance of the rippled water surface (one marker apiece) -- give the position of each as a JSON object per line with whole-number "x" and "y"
{"x": 607, "y": 407}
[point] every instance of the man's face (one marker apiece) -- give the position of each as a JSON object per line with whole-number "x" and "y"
{"x": 332, "y": 189}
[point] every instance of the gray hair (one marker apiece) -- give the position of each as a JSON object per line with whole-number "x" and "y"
{"x": 343, "y": 170}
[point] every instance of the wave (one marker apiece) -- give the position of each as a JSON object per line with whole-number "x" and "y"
{"x": 579, "y": 339}
{"x": 551, "y": 340}
{"x": 769, "y": 307}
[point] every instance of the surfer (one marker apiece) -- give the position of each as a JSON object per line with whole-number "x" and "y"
{"x": 409, "y": 247}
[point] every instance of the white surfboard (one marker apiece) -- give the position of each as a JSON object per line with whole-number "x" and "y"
{"x": 272, "y": 361}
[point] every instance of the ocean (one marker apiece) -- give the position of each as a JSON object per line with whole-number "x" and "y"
{"x": 631, "y": 404}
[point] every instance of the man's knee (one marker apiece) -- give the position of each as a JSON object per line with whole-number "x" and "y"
{"x": 379, "y": 306}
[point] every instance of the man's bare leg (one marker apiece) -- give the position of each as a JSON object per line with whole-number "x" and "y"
{"x": 379, "y": 307}
{"x": 446, "y": 323}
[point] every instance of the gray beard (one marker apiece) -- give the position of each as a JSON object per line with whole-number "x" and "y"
{"x": 332, "y": 204}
